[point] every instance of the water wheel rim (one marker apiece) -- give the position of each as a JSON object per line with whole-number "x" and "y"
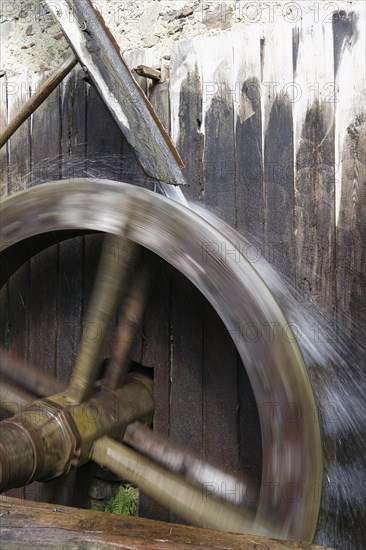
{"x": 289, "y": 500}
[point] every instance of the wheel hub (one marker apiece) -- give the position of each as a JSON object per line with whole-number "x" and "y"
{"x": 50, "y": 436}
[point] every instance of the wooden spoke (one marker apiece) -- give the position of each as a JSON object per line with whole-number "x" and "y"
{"x": 130, "y": 318}
{"x": 27, "y": 376}
{"x": 193, "y": 504}
{"x": 185, "y": 463}
{"x": 12, "y": 399}
{"x": 111, "y": 281}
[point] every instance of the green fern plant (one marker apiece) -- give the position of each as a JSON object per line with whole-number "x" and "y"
{"x": 125, "y": 502}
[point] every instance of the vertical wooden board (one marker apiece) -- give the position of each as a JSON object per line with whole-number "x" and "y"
{"x": 104, "y": 141}
{"x": 218, "y": 97}
{"x": 250, "y": 199}
{"x": 349, "y": 35}
{"x": 156, "y": 355}
{"x": 156, "y": 348}
{"x": 220, "y": 395}
{"x": 45, "y": 144}
{"x": 19, "y": 168}
{"x": 104, "y": 147}
{"x": 186, "y": 399}
{"x": 349, "y": 46}
{"x": 19, "y": 158}
{"x": 4, "y": 167}
{"x": 314, "y": 162}
{"x": 70, "y": 275}
{"x": 4, "y": 151}
{"x": 186, "y": 302}
{"x": 71, "y": 489}
{"x": 278, "y": 95}
{"x": 186, "y": 113}
{"x": 250, "y": 441}
{"x": 186, "y": 367}
{"x": 43, "y": 277}
{"x": 156, "y": 324}
{"x": 251, "y": 210}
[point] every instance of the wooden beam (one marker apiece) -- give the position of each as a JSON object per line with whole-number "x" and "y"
{"x": 148, "y": 72}
{"x": 38, "y": 98}
{"x": 41, "y": 526}
{"x": 97, "y": 50}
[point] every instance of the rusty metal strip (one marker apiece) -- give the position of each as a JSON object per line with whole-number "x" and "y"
{"x": 99, "y": 53}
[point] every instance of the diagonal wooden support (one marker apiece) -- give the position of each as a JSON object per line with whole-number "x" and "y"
{"x": 98, "y": 52}
{"x": 37, "y": 99}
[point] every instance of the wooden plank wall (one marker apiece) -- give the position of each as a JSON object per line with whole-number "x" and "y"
{"x": 270, "y": 122}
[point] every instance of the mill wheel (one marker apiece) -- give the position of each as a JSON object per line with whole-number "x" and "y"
{"x": 51, "y": 435}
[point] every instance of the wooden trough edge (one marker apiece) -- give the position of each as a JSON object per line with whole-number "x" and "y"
{"x": 40, "y": 525}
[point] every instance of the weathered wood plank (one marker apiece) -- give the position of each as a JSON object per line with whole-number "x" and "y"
{"x": 249, "y": 435}
{"x": 349, "y": 35}
{"x": 4, "y": 151}
{"x": 220, "y": 396}
{"x": 156, "y": 355}
{"x": 251, "y": 220}
{"x": 100, "y": 148}
{"x": 250, "y": 199}
{"x": 186, "y": 114}
{"x": 186, "y": 365}
{"x": 43, "y": 277}
{"x": 70, "y": 269}
{"x": 155, "y": 349}
{"x": 349, "y": 44}
{"x": 45, "y": 145}
{"x": 314, "y": 158}
{"x": 18, "y": 93}
{"x": 186, "y": 312}
{"x": 218, "y": 96}
{"x": 4, "y": 169}
{"x": 44, "y": 526}
{"x": 203, "y": 101}
{"x": 278, "y": 95}
{"x": 37, "y": 99}
{"x": 97, "y": 50}
{"x": 19, "y": 169}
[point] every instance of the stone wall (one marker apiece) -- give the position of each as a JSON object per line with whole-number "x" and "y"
{"x": 32, "y": 41}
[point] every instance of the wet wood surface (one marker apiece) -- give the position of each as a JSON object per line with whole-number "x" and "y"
{"x": 46, "y": 526}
